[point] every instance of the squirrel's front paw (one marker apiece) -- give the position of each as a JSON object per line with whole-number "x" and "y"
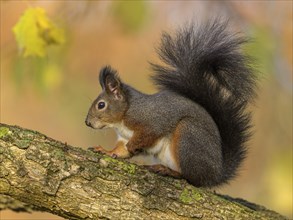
{"x": 100, "y": 149}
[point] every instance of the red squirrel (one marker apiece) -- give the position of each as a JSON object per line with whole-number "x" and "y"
{"x": 196, "y": 125}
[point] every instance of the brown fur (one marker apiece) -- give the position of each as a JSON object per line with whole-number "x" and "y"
{"x": 142, "y": 137}
{"x": 175, "y": 144}
{"x": 120, "y": 150}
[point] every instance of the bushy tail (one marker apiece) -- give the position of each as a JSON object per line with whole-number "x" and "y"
{"x": 206, "y": 65}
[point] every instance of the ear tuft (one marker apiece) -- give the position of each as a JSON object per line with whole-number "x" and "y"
{"x": 106, "y": 73}
{"x": 111, "y": 82}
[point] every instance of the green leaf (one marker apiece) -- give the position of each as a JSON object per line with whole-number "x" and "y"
{"x": 131, "y": 14}
{"x": 35, "y": 31}
{"x": 262, "y": 48}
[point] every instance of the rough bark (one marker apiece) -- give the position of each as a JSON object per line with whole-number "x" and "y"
{"x": 39, "y": 173}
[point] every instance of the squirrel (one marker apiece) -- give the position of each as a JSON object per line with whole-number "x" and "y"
{"x": 196, "y": 126}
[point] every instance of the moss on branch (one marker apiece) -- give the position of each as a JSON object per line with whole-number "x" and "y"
{"x": 44, "y": 174}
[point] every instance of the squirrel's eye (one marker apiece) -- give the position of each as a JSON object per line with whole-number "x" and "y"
{"x": 101, "y": 105}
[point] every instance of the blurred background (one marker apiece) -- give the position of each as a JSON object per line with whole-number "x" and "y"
{"x": 52, "y": 94}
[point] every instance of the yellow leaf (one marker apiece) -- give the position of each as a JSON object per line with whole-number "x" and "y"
{"x": 35, "y": 31}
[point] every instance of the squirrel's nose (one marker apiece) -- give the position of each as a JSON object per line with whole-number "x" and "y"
{"x": 88, "y": 123}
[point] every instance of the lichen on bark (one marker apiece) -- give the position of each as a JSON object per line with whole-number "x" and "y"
{"x": 40, "y": 173}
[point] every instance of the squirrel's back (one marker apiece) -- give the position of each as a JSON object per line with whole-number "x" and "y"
{"x": 166, "y": 107}
{"x": 205, "y": 64}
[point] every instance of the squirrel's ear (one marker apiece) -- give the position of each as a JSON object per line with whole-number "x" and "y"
{"x": 110, "y": 82}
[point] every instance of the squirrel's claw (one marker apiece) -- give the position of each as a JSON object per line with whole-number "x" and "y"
{"x": 97, "y": 149}
{"x": 100, "y": 149}
{"x": 114, "y": 156}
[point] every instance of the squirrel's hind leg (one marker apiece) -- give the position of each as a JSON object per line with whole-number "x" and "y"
{"x": 162, "y": 170}
{"x": 200, "y": 153}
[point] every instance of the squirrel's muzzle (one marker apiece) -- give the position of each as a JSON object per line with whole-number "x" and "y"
{"x": 88, "y": 123}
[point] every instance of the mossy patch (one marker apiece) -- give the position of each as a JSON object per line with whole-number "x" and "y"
{"x": 110, "y": 159}
{"x": 189, "y": 195}
{"x": 178, "y": 184}
{"x": 4, "y": 132}
{"x": 129, "y": 168}
{"x": 22, "y": 144}
{"x": 5, "y": 186}
{"x": 59, "y": 154}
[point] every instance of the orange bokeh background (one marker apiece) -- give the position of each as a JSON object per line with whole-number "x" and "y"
{"x": 54, "y": 99}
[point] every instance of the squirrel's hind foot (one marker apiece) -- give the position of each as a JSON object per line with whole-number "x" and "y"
{"x": 162, "y": 170}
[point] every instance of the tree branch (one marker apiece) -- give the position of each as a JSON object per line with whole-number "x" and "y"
{"x": 39, "y": 173}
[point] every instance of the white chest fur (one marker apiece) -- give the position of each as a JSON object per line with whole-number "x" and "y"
{"x": 122, "y": 131}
